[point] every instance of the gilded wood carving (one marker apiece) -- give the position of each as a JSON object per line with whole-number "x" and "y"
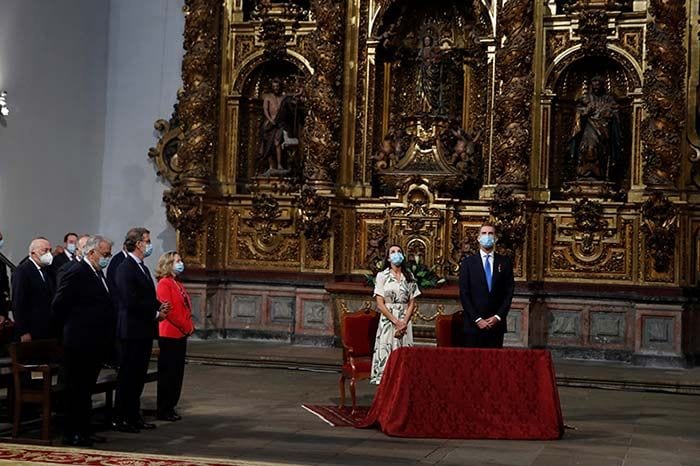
{"x": 664, "y": 96}
{"x": 512, "y": 121}
{"x": 416, "y": 122}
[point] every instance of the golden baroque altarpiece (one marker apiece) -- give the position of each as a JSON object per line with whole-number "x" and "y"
{"x": 310, "y": 135}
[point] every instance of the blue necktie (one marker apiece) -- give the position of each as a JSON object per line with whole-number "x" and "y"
{"x": 487, "y": 271}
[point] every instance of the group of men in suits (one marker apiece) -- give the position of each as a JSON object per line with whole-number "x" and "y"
{"x": 91, "y": 312}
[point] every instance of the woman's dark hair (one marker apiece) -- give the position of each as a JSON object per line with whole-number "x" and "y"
{"x": 404, "y": 270}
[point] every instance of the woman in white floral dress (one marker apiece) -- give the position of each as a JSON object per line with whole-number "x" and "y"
{"x": 395, "y": 290}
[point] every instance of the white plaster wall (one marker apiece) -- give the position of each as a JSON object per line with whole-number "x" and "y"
{"x": 145, "y": 54}
{"x": 53, "y": 62}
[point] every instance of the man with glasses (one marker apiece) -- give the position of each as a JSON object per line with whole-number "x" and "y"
{"x": 84, "y": 305}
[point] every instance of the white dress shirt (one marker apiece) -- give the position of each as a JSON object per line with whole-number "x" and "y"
{"x": 38, "y": 267}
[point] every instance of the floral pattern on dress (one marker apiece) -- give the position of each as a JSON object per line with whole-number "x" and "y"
{"x": 396, "y": 295}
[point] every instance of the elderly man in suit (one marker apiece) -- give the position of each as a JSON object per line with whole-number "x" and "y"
{"x": 84, "y": 305}
{"x": 486, "y": 287}
{"x": 138, "y": 316}
{"x": 33, "y": 287}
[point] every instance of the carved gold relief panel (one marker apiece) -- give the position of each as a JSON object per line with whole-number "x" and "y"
{"x": 556, "y": 42}
{"x": 217, "y": 229}
{"x": 371, "y": 240}
{"x": 589, "y": 244}
{"x": 244, "y": 46}
{"x": 262, "y": 235}
{"x": 694, "y": 278}
{"x": 632, "y": 40}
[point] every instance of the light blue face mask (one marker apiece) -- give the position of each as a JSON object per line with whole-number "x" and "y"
{"x": 149, "y": 250}
{"x": 104, "y": 262}
{"x": 486, "y": 241}
{"x": 396, "y": 258}
{"x": 71, "y": 248}
{"x": 179, "y": 267}
{"x": 2, "y": 243}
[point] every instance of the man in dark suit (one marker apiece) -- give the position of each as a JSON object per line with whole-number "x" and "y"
{"x": 33, "y": 287}
{"x": 77, "y": 257}
{"x": 138, "y": 316}
{"x": 113, "y": 359}
{"x": 486, "y": 287}
{"x": 70, "y": 242}
{"x": 117, "y": 259}
{"x": 84, "y": 305}
{"x": 4, "y": 286}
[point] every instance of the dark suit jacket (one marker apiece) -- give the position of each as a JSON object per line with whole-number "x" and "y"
{"x": 31, "y": 301}
{"x": 117, "y": 259}
{"x": 59, "y": 261}
{"x": 137, "y": 304}
{"x": 476, "y": 299}
{"x": 4, "y": 290}
{"x": 84, "y": 307}
{"x": 61, "y": 271}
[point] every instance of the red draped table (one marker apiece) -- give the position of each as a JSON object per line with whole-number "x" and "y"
{"x": 468, "y": 393}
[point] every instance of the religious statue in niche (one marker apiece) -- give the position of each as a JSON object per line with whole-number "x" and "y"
{"x": 279, "y": 132}
{"x": 430, "y": 76}
{"x": 595, "y": 145}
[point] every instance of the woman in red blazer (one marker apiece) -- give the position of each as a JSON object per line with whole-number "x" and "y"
{"x": 172, "y": 334}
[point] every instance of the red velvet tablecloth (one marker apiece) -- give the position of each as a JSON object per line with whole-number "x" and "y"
{"x": 468, "y": 393}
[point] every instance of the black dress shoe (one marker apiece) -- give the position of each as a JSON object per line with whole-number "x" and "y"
{"x": 77, "y": 440}
{"x": 141, "y": 424}
{"x": 172, "y": 417}
{"x": 123, "y": 426}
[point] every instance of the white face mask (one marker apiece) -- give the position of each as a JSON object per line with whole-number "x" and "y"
{"x": 46, "y": 259}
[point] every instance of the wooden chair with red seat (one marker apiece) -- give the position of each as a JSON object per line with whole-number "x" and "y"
{"x": 357, "y": 332}
{"x": 39, "y": 357}
{"x": 449, "y": 329}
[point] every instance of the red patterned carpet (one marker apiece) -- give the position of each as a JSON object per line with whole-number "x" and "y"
{"x": 338, "y": 417}
{"x": 29, "y": 455}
